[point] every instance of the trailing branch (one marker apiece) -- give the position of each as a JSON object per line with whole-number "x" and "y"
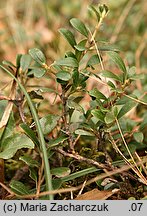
{"x": 82, "y": 159}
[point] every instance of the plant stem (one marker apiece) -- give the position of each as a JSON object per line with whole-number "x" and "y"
{"x": 40, "y": 134}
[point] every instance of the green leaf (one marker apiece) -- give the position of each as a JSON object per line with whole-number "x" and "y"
{"x": 29, "y": 161}
{"x": 48, "y": 123}
{"x": 73, "y": 105}
{"x": 79, "y": 26}
{"x": 75, "y": 77}
{"x": 109, "y": 74}
{"x": 80, "y": 174}
{"x": 37, "y": 55}
{"x": 118, "y": 61}
{"x": 70, "y": 54}
{"x": 125, "y": 100}
{"x": 81, "y": 45}
{"x": 11, "y": 144}
{"x": 63, "y": 75}
{"x": 97, "y": 94}
{"x": 37, "y": 72}
{"x": 109, "y": 118}
{"x": 33, "y": 174}
{"x": 30, "y": 133}
{"x": 68, "y": 35}
{"x": 138, "y": 136}
{"x": 18, "y": 58}
{"x": 55, "y": 142}
{"x": 57, "y": 182}
{"x": 68, "y": 62}
{"x": 143, "y": 124}
{"x": 19, "y": 188}
{"x": 25, "y": 62}
{"x": 115, "y": 110}
{"x": 8, "y": 63}
{"x": 94, "y": 60}
{"x": 83, "y": 132}
{"x": 60, "y": 171}
{"x": 111, "y": 84}
{"x": 109, "y": 48}
{"x": 92, "y": 8}
{"x": 98, "y": 114}
{"x": 126, "y": 108}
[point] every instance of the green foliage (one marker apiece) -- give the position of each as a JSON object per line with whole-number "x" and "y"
{"x": 79, "y": 26}
{"x": 48, "y": 123}
{"x": 19, "y": 188}
{"x": 68, "y": 36}
{"x": 25, "y": 62}
{"x": 74, "y": 133}
{"x": 13, "y": 143}
{"x": 68, "y": 62}
{"x": 37, "y": 55}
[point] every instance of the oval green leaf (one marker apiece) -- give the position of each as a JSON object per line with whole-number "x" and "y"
{"x": 63, "y": 75}
{"x": 48, "y": 123}
{"x": 83, "y": 132}
{"x": 109, "y": 118}
{"x": 111, "y": 75}
{"x": 55, "y": 142}
{"x": 97, "y": 94}
{"x": 81, "y": 45}
{"x": 138, "y": 136}
{"x": 94, "y": 60}
{"x": 25, "y": 62}
{"x": 60, "y": 171}
{"x": 29, "y": 161}
{"x": 93, "y": 9}
{"x": 118, "y": 61}
{"x": 37, "y": 55}
{"x": 37, "y": 72}
{"x": 68, "y": 62}
{"x": 68, "y": 35}
{"x": 126, "y": 108}
{"x": 13, "y": 143}
{"x": 79, "y": 26}
{"x": 19, "y": 188}
{"x": 98, "y": 114}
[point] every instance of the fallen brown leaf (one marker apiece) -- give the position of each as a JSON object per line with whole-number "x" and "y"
{"x": 96, "y": 194}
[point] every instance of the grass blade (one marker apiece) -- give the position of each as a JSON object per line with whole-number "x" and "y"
{"x": 40, "y": 133}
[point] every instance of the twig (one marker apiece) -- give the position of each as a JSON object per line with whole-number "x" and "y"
{"x": 66, "y": 125}
{"x": 7, "y": 189}
{"x": 82, "y": 159}
{"x": 137, "y": 100}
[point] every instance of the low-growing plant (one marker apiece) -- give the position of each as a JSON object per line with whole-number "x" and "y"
{"x": 78, "y": 139}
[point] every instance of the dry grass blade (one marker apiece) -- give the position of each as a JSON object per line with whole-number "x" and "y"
{"x": 9, "y": 106}
{"x": 137, "y": 170}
